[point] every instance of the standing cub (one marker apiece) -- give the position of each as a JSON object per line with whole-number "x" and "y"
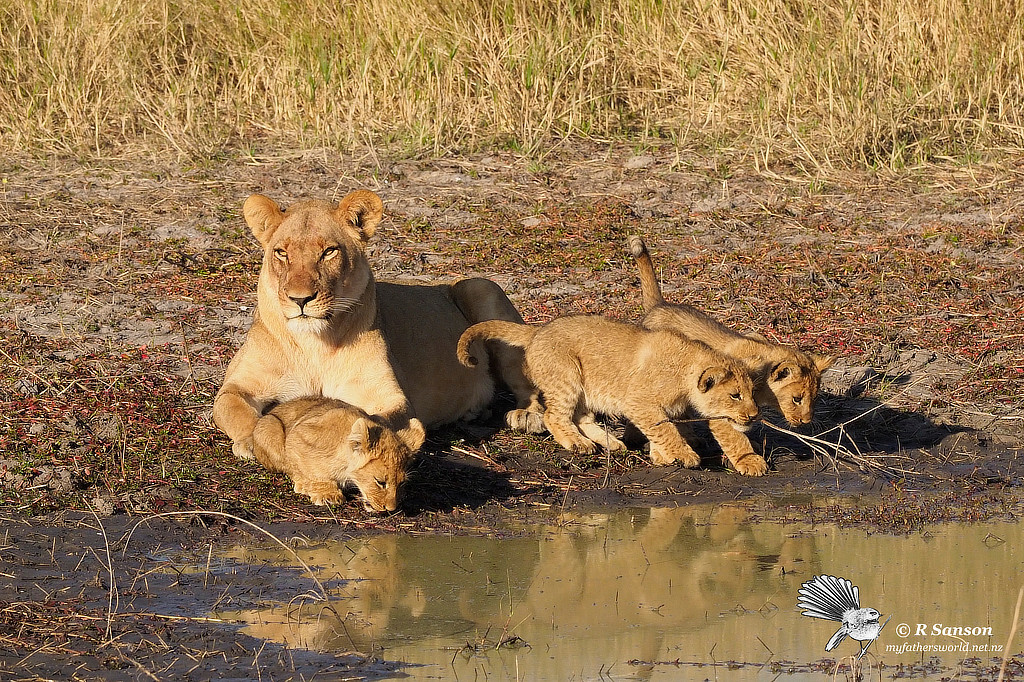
{"x": 785, "y": 378}
{"x": 322, "y": 443}
{"x": 590, "y": 364}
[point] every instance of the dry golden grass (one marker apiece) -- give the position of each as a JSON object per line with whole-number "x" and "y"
{"x": 824, "y": 83}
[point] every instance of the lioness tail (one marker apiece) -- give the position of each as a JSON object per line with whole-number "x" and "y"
{"x": 650, "y": 291}
{"x": 512, "y": 333}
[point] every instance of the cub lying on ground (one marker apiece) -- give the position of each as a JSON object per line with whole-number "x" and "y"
{"x": 785, "y": 378}
{"x": 321, "y": 444}
{"x": 589, "y": 364}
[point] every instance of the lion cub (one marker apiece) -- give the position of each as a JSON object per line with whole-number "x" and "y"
{"x": 322, "y": 443}
{"x": 589, "y": 364}
{"x": 785, "y": 378}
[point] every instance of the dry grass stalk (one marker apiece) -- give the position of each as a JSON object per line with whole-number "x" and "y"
{"x": 1009, "y": 639}
{"x": 321, "y": 596}
{"x": 834, "y": 452}
{"x": 886, "y": 83}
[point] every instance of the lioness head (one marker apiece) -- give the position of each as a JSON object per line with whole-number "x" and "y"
{"x": 727, "y": 391}
{"x": 792, "y": 386}
{"x": 314, "y": 267}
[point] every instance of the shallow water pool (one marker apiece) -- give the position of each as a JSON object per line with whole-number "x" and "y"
{"x": 658, "y": 594}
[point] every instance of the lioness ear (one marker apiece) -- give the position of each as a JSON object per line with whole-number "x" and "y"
{"x": 710, "y": 377}
{"x": 362, "y": 209}
{"x": 262, "y": 216}
{"x": 822, "y": 362}
{"x": 413, "y": 435}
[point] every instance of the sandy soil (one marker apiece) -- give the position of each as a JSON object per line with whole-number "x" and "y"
{"x": 125, "y": 289}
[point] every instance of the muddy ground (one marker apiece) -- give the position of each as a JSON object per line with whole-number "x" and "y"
{"x": 126, "y": 287}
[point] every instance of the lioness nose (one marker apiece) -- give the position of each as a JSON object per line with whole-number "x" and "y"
{"x": 301, "y": 301}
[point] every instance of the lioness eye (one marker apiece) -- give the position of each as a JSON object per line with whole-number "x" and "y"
{"x": 383, "y": 485}
{"x": 798, "y": 399}
{"x": 735, "y": 396}
{"x": 329, "y": 253}
{"x": 281, "y": 254}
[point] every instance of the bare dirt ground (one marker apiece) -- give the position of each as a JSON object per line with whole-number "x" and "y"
{"x": 125, "y": 289}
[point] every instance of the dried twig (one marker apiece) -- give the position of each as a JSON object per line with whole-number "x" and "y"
{"x": 1009, "y": 640}
{"x": 322, "y": 596}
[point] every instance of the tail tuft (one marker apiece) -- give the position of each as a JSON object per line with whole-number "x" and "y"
{"x": 650, "y": 290}
{"x": 637, "y": 246}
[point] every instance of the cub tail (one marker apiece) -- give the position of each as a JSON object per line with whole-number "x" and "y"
{"x": 512, "y": 333}
{"x": 650, "y": 290}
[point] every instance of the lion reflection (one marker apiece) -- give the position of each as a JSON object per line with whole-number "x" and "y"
{"x": 610, "y": 575}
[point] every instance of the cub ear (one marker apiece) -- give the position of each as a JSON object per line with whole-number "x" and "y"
{"x": 358, "y": 442}
{"x": 782, "y": 371}
{"x": 711, "y": 377}
{"x": 413, "y": 435}
{"x": 262, "y": 216}
{"x": 822, "y": 362}
{"x": 362, "y": 209}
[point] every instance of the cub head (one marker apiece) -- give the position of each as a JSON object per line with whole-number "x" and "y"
{"x": 792, "y": 386}
{"x": 726, "y": 390}
{"x": 377, "y": 460}
{"x": 314, "y": 266}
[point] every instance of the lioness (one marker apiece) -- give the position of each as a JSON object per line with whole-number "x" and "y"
{"x": 321, "y": 444}
{"x": 588, "y": 364}
{"x": 325, "y": 327}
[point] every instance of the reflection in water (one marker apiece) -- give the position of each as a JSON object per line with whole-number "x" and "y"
{"x": 701, "y": 584}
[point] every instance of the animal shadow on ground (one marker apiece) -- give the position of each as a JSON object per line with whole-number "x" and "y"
{"x": 438, "y": 482}
{"x": 849, "y": 425}
{"x": 863, "y": 431}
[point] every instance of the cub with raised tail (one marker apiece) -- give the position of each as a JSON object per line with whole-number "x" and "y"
{"x": 785, "y": 378}
{"x": 588, "y": 364}
{"x": 322, "y": 443}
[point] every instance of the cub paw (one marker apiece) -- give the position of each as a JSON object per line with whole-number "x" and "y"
{"x": 613, "y": 444}
{"x": 689, "y": 460}
{"x": 579, "y": 446}
{"x": 320, "y": 492}
{"x": 750, "y": 464}
{"x": 526, "y": 421}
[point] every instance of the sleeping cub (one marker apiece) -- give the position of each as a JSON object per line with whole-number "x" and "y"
{"x": 322, "y": 443}
{"x": 589, "y": 364}
{"x": 785, "y": 378}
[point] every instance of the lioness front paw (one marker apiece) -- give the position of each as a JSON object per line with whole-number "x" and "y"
{"x": 750, "y": 464}
{"x": 243, "y": 449}
{"x": 526, "y": 421}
